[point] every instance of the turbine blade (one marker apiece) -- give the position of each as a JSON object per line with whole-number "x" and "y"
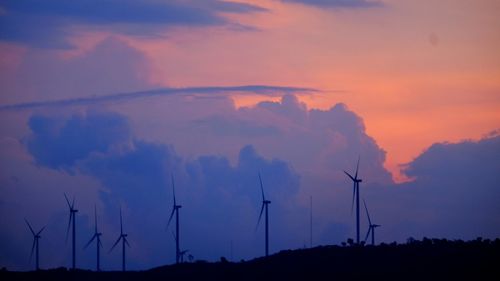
{"x": 90, "y": 241}
{"x": 32, "y": 248}
{"x": 40, "y": 230}
{"x": 29, "y": 226}
{"x": 260, "y": 216}
{"x": 173, "y": 190}
{"x": 349, "y": 175}
{"x": 126, "y": 242}
{"x": 262, "y": 188}
{"x": 121, "y": 221}
{"x": 357, "y": 168}
{"x": 367, "y": 213}
{"x": 95, "y": 217}
{"x": 99, "y": 242}
{"x": 67, "y": 201}
{"x": 116, "y": 243}
{"x": 368, "y": 233}
{"x": 73, "y": 203}
{"x": 69, "y": 225}
{"x": 171, "y": 216}
{"x": 173, "y": 235}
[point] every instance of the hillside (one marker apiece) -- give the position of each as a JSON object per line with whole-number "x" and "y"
{"x": 430, "y": 259}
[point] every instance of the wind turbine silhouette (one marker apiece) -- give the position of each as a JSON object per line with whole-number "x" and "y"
{"x": 175, "y": 209}
{"x": 36, "y": 238}
{"x": 371, "y": 227}
{"x": 265, "y": 204}
{"x": 72, "y": 218}
{"x": 123, "y": 238}
{"x": 97, "y": 236}
{"x": 182, "y": 253}
{"x": 355, "y": 193}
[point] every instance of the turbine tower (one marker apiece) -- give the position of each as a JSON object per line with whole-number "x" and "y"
{"x": 72, "y": 218}
{"x": 371, "y": 227}
{"x": 36, "y": 238}
{"x": 265, "y": 204}
{"x": 355, "y": 194}
{"x": 175, "y": 209}
{"x": 123, "y": 238}
{"x": 97, "y": 236}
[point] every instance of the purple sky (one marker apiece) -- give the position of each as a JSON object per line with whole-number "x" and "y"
{"x": 86, "y": 109}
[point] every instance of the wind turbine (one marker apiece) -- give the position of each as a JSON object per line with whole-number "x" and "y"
{"x": 182, "y": 253}
{"x": 72, "y": 218}
{"x": 355, "y": 193}
{"x": 311, "y": 224}
{"x": 123, "y": 238}
{"x": 175, "y": 209}
{"x": 97, "y": 236}
{"x": 371, "y": 227}
{"x": 36, "y": 237}
{"x": 265, "y": 204}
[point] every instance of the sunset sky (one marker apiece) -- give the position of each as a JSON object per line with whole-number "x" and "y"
{"x": 104, "y": 100}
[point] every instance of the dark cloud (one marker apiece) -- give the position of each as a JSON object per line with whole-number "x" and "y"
{"x": 219, "y": 199}
{"x": 338, "y": 3}
{"x": 454, "y": 193}
{"x": 457, "y": 183}
{"x": 60, "y": 145}
{"x": 48, "y": 23}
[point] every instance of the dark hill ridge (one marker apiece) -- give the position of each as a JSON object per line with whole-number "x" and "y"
{"x": 430, "y": 259}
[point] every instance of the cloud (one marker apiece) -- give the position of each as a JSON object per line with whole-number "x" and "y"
{"x": 338, "y": 3}
{"x": 193, "y": 91}
{"x": 457, "y": 184}
{"x": 135, "y": 175}
{"x": 111, "y": 66}
{"x": 223, "y": 126}
{"x": 48, "y": 24}
{"x": 61, "y": 145}
{"x": 454, "y": 193}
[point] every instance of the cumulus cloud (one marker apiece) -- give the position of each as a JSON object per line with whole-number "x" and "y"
{"x": 219, "y": 199}
{"x": 457, "y": 184}
{"x": 61, "y": 145}
{"x": 48, "y": 24}
{"x": 454, "y": 193}
{"x": 203, "y": 143}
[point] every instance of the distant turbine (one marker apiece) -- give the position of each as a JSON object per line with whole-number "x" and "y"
{"x": 97, "y": 236}
{"x": 175, "y": 209}
{"x": 182, "y": 253}
{"x": 311, "y": 224}
{"x": 72, "y": 218}
{"x": 355, "y": 193}
{"x": 265, "y": 204}
{"x": 371, "y": 227}
{"x": 36, "y": 237}
{"x": 123, "y": 238}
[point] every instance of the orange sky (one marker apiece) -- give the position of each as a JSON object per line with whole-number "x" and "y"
{"x": 418, "y": 72}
